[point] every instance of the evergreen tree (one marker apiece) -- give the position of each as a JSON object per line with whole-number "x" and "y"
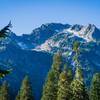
{"x": 57, "y": 63}
{"x": 25, "y": 92}
{"x": 51, "y": 85}
{"x": 3, "y": 34}
{"x": 76, "y": 49}
{"x": 70, "y": 74}
{"x": 49, "y": 89}
{"x": 78, "y": 87}
{"x": 64, "y": 92}
{"x": 95, "y": 87}
{"x": 4, "y": 91}
{"x": 76, "y": 45}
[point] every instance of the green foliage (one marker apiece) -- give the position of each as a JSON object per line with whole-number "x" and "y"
{"x": 51, "y": 85}
{"x": 25, "y": 92}
{"x": 57, "y": 61}
{"x": 56, "y": 66}
{"x": 78, "y": 87}
{"x": 3, "y": 73}
{"x": 5, "y": 30}
{"x": 76, "y": 48}
{"x": 4, "y": 91}
{"x": 79, "y": 74}
{"x": 76, "y": 45}
{"x": 3, "y": 34}
{"x": 70, "y": 75}
{"x": 95, "y": 87}
{"x": 69, "y": 72}
{"x": 64, "y": 92}
{"x": 49, "y": 89}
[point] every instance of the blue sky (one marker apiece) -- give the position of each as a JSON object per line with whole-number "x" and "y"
{"x": 29, "y": 14}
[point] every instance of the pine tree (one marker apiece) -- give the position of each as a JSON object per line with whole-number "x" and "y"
{"x": 78, "y": 87}
{"x": 76, "y": 49}
{"x": 64, "y": 92}
{"x": 3, "y": 34}
{"x": 57, "y": 63}
{"x": 49, "y": 89}
{"x": 4, "y": 91}
{"x": 25, "y": 92}
{"x": 51, "y": 85}
{"x": 70, "y": 74}
{"x": 95, "y": 87}
{"x": 76, "y": 45}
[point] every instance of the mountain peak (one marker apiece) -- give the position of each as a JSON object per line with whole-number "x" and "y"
{"x": 55, "y": 26}
{"x": 76, "y": 27}
{"x": 89, "y": 32}
{"x": 90, "y": 26}
{"x": 56, "y": 34}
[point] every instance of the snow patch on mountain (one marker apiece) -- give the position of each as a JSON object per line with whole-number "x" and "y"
{"x": 85, "y": 32}
{"x": 52, "y": 37}
{"x": 55, "y": 43}
{"x": 62, "y": 39}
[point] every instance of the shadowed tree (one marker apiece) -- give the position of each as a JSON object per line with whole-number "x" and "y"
{"x": 4, "y": 91}
{"x": 64, "y": 91}
{"x": 51, "y": 85}
{"x": 3, "y": 34}
{"x": 78, "y": 87}
{"x": 25, "y": 92}
{"x": 5, "y": 31}
{"x": 95, "y": 87}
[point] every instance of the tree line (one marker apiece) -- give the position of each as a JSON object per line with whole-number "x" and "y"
{"x": 61, "y": 84}
{"x": 64, "y": 85}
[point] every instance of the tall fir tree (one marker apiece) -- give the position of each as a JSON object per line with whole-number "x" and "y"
{"x": 25, "y": 92}
{"x": 78, "y": 87}
{"x": 95, "y": 87}
{"x": 70, "y": 74}
{"x": 49, "y": 89}
{"x": 4, "y": 91}
{"x": 65, "y": 78}
{"x": 51, "y": 85}
{"x": 57, "y": 63}
{"x": 76, "y": 46}
{"x": 76, "y": 49}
